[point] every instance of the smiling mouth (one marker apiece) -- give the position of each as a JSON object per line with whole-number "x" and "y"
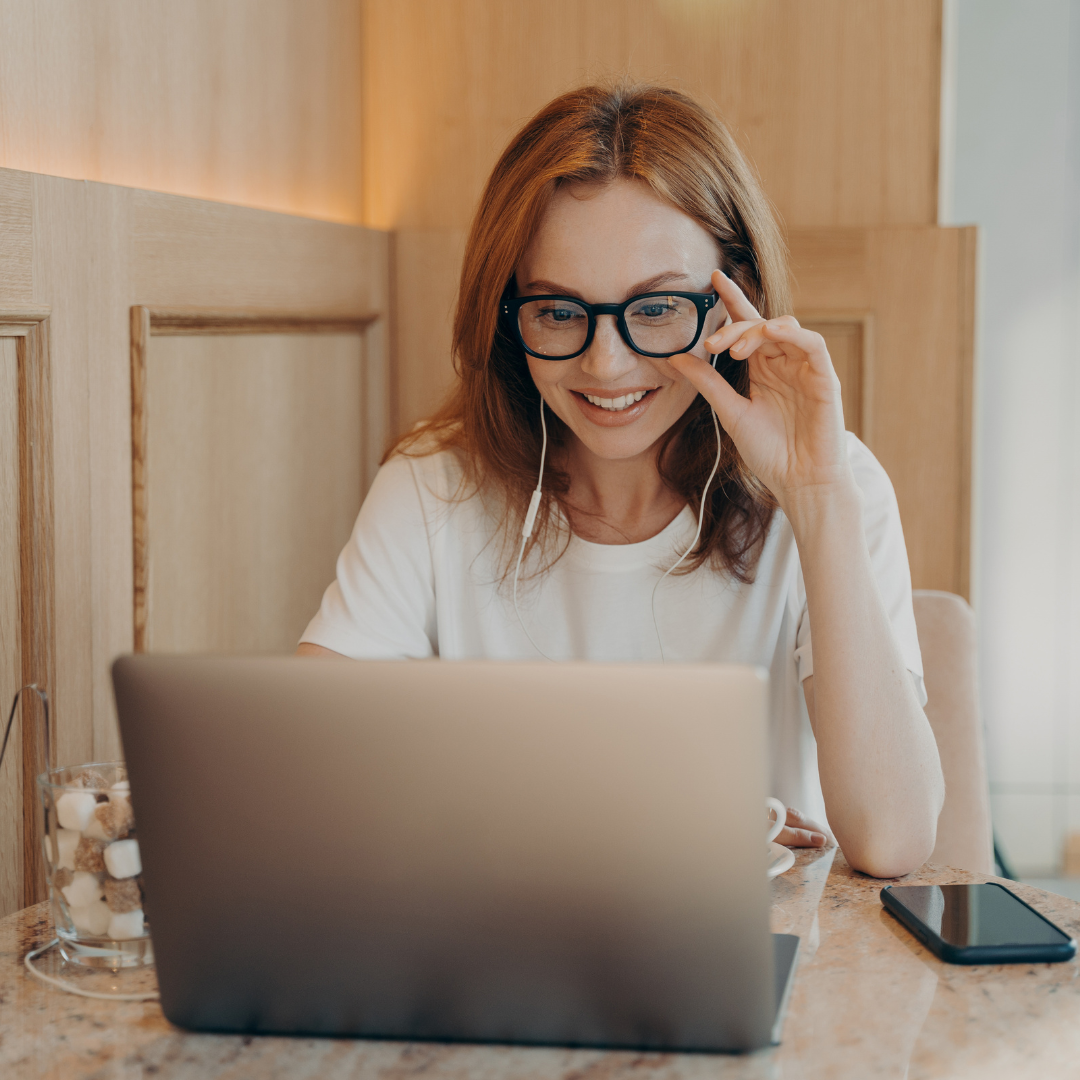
{"x": 616, "y": 404}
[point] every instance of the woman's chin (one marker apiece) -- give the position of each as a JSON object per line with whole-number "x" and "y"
{"x": 617, "y": 443}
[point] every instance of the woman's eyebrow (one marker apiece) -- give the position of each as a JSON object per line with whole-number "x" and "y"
{"x": 668, "y": 277}
{"x": 549, "y": 288}
{"x": 553, "y": 288}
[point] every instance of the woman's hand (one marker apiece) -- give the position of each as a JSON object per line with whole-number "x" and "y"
{"x": 790, "y": 431}
{"x": 800, "y": 831}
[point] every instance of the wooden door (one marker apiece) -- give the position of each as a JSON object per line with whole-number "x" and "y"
{"x": 192, "y": 402}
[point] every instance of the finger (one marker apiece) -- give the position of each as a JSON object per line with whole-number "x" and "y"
{"x": 797, "y": 819}
{"x": 775, "y": 337}
{"x": 726, "y": 336}
{"x": 733, "y": 297}
{"x": 791, "y": 336}
{"x": 790, "y": 837}
{"x": 729, "y": 404}
{"x": 755, "y": 339}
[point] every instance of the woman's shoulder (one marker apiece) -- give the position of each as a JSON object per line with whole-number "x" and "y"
{"x": 434, "y": 471}
{"x": 436, "y": 475}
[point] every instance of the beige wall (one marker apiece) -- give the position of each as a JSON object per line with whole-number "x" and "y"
{"x": 246, "y": 101}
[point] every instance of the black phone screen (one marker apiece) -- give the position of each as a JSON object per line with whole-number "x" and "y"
{"x": 966, "y": 916}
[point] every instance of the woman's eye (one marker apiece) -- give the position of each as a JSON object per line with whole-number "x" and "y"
{"x": 559, "y": 315}
{"x": 660, "y": 308}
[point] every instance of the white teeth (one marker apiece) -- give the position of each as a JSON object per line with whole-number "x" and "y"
{"x": 616, "y": 404}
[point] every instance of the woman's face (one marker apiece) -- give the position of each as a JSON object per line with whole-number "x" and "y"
{"x": 604, "y": 244}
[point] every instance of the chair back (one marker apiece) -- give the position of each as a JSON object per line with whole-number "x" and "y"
{"x": 946, "y": 626}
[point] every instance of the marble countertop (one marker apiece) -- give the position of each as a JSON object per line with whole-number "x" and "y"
{"x": 869, "y": 1001}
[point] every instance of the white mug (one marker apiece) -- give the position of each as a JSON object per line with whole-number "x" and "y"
{"x": 777, "y": 826}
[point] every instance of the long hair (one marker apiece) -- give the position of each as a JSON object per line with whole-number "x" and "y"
{"x": 596, "y": 135}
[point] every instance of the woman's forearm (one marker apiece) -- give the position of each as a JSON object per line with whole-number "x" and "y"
{"x": 877, "y": 757}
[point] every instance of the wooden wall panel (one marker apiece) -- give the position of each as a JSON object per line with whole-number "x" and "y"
{"x": 187, "y": 252}
{"x": 425, "y": 269}
{"x": 917, "y": 285}
{"x": 16, "y": 243}
{"x": 11, "y": 814}
{"x": 837, "y": 101}
{"x": 250, "y": 101}
{"x": 27, "y": 641}
{"x": 254, "y": 463}
{"x": 80, "y": 267}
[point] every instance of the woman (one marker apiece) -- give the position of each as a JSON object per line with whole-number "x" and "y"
{"x": 621, "y": 242}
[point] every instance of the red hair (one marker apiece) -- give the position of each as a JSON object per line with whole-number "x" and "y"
{"x": 596, "y": 135}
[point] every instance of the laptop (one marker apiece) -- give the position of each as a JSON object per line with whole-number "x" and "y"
{"x": 567, "y": 854}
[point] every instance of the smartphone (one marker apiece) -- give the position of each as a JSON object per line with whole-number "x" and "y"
{"x": 977, "y": 924}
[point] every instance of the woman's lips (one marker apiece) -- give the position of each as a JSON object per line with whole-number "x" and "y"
{"x": 609, "y": 417}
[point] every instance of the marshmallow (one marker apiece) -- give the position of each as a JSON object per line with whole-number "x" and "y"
{"x": 85, "y": 889}
{"x": 74, "y": 809}
{"x": 126, "y": 925}
{"x": 92, "y": 919}
{"x": 122, "y": 859}
{"x": 67, "y": 840}
{"x": 123, "y": 895}
{"x": 121, "y": 787}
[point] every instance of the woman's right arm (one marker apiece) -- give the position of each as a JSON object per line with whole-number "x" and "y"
{"x": 308, "y": 648}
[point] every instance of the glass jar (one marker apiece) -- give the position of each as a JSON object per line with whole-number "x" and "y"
{"x": 93, "y": 864}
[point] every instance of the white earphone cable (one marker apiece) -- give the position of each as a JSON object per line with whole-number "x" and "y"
{"x": 697, "y": 534}
{"x": 534, "y": 506}
{"x": 71, "y": 988}
{"x": 526, "y": 531}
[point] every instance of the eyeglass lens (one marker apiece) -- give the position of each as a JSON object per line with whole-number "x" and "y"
{"x": 656, "y": 324}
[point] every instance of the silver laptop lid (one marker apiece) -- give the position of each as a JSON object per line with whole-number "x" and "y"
{"x": 569, "y": 854}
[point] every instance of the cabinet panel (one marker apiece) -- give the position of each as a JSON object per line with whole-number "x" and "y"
{"x": 75, "y": 259}
{"x": 254, "y": 476}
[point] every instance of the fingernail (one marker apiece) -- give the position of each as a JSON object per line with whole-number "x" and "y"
{"x": 738, "y": 347}
{"x": 818, "y": 838}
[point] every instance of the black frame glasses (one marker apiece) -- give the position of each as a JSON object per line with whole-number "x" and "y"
{"x": 511, "y": 307}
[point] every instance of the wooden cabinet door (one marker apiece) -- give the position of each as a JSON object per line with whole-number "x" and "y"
{"x": 193, "y": 399}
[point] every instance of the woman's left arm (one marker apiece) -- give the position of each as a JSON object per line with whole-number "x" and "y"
{"x": 877, "y": 757}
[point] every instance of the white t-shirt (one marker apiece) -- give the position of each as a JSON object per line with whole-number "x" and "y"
{"x": 421, "y": 577}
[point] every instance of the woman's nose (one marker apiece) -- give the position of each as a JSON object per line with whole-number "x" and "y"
{"x": 608, "y": 357}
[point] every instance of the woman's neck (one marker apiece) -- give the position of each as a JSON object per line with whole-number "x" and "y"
{"x": 621, "y": 501}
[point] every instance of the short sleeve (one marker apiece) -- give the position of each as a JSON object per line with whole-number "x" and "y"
{"x": 888, "y": 559}
{"x": 382, "y": 604}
